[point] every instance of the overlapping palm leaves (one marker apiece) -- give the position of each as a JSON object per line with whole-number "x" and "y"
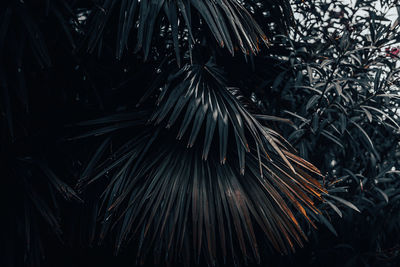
{"x": 207, "y": 201}
{"x": 228, "y": 21}
{"x": 204, "y": 200}
{"x": 30, "y": 192}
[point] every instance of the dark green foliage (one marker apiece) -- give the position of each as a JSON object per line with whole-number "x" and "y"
{"x": 156, "y": 130}
{"x": 339, "y": 85}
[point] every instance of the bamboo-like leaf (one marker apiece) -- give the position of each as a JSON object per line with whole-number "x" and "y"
{"x": 345, "y": 202}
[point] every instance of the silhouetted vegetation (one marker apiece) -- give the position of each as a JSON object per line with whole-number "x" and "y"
{"x": 188, "y": 132}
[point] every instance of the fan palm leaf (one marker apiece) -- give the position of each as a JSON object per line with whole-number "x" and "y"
{"x": 207, "y": 196}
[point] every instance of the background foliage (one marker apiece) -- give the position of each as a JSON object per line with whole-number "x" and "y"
{"x": 339, "y": 85}
{"x": 94, "y": 94}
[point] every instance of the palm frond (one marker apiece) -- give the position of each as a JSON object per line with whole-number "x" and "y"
{"x": 31, "y": 191}
{"x": 170, "y": 198}
{"x": 198, "y": 95}
{"x": 228, "y": 21}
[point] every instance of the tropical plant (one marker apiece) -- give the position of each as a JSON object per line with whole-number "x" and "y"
{"x": 158, "y": 130}
{"x": 211, "y": 196}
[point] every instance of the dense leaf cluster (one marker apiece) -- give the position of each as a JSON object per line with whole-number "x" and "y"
{"x": 182, "y": 131}
{"x": 339, "y": 84}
